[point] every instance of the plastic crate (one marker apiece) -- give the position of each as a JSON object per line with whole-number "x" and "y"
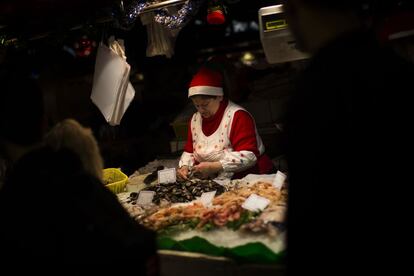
{"x": 115, "y": 180}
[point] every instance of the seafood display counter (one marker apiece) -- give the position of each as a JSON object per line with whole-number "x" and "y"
{"x": 218, "y": 231}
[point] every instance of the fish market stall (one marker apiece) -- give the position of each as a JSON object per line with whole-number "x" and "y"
{"x": 230, "y": 223}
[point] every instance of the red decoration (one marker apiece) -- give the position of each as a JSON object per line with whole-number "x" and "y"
{"x": 84, "y": 47}
{"x": 216, "y": 13}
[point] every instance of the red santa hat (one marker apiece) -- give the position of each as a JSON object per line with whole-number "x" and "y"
{"x": 206, "y": 82}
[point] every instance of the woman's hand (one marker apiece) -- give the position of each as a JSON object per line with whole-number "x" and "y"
{"x": 207, "y": 169}
{"x": 182, "y": 173}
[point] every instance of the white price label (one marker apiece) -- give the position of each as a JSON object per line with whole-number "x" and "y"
{"x": 167, "y": 176}
{"x": 255, "y": 203}
{"x": 207, "y": 198}
{"x": 279, "y": 180}
{"x": 145, "y": 197}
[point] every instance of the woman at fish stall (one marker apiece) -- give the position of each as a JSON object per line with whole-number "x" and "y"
{"x": 222, "y": 136}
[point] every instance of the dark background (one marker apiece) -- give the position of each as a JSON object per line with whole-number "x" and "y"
{"x": 40, "y": 29}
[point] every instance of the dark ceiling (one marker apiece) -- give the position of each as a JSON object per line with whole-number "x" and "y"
{"x": 43, "y": 15}
{"x": 59, "y": 22}
{"x": 53, "y": 19}
{"x": 31, "y": 16}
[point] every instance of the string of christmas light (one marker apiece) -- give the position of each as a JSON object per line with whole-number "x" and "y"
{"x": 135, "y": 9}
{"x": 163, "y": 16}
{"x": 178, "y": 20}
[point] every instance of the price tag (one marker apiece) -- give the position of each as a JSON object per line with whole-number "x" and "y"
{"x": 255, "y": 203}
{"x": 167, "y": 176}
{"x": 279, "y": 180}
{"x": 145, "y": 197}
{"x": 207, "y": 198}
